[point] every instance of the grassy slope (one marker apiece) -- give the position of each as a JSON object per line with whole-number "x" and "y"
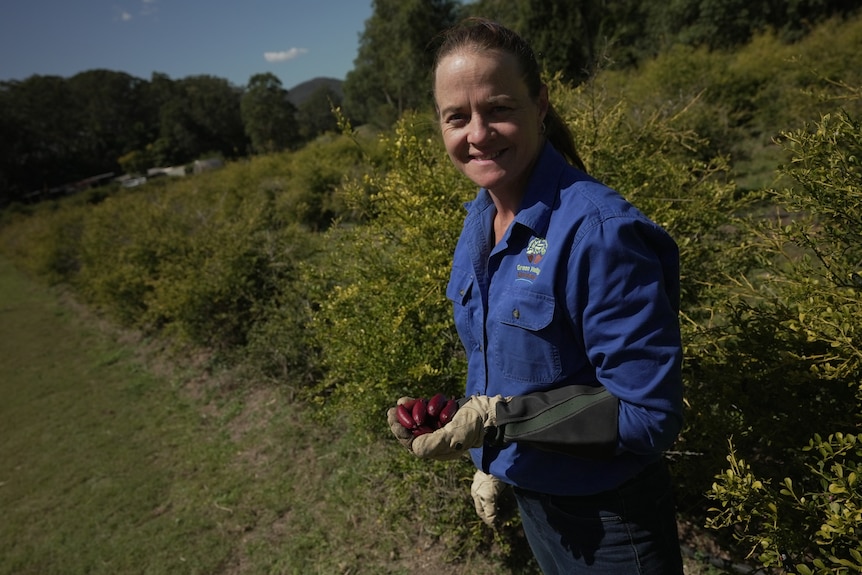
{"x": 113, "y": 462}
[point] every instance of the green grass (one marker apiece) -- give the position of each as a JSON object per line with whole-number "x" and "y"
{"x": 101, "y": 461}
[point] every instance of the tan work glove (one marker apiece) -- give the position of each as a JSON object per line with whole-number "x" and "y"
{"x": 466, "y": 430}
{"x": 485, "y": 491}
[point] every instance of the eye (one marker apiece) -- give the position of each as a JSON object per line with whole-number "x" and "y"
{"x": 456, "y": 119}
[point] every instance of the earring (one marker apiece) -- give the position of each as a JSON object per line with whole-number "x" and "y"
{"x": 542, "y": 130}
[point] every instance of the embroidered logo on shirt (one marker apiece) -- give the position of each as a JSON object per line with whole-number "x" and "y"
{"x": 535, "y": 252}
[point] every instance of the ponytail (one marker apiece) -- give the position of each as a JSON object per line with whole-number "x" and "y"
{"x": 558, "y": 133}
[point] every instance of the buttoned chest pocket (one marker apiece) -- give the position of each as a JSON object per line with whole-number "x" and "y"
{"x": 459, "y": 291}
{"x": 525, "y": 339}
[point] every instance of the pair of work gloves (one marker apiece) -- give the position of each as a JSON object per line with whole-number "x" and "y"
{"x": 466, "y": 430}
{"x": 573, "y": 420}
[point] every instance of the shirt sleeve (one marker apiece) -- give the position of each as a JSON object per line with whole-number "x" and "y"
{"x": 623, "y": 294}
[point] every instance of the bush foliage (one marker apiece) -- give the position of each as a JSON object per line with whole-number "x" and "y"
{"x": 324, "y": 269}
{"x": 794, "y": 326}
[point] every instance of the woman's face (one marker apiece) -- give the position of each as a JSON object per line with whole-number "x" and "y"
{"x": 491, "y": 126}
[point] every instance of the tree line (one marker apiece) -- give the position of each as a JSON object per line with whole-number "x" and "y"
{"x": 56, "y": 130}
{"x": 571, "y": 37}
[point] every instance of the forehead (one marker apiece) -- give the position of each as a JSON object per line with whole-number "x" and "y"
{"x": 468, "y": 70}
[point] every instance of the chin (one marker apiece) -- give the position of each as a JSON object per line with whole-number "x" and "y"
{"x": 483, "y": 179}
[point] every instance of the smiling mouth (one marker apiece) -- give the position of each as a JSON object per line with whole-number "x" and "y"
{"x": 486, "y": 157}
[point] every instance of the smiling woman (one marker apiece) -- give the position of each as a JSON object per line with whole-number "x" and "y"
{"x": 565, "y": 298}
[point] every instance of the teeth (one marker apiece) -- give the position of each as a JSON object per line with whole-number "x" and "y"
{"x": 489, "y": 157}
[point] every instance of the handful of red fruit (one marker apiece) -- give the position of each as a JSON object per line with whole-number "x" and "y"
{"x": 422, "y": 416}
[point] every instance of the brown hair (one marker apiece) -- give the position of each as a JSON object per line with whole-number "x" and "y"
{"x": 482, "y": 35}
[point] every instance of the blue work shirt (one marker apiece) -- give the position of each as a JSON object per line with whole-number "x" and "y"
{"x": 582, "y": 289}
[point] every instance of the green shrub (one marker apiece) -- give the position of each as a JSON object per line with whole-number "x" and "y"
{"x": 808, "y": 526}
{"x": 384, "y": 325}
{"x": 124, "y": 241}
{"x": 739, "y": 100}
{"x": 46, "y": 241}
{"x": 211, "y": 289}
{"x": 792, "y": 337}
{"x": 311, "y": 194}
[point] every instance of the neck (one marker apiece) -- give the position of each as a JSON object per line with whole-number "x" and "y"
{"x": 502, "y": 220}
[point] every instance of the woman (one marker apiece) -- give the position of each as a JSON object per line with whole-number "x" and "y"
{"x": 566, "y": 301}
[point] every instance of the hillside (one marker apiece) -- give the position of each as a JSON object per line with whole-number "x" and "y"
{"x": 301, "y": 92}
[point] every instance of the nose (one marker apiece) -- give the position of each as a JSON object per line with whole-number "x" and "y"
{"x": 479, "y": 130}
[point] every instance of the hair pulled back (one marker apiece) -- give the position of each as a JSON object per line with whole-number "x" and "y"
{"x": 482, "y": 35}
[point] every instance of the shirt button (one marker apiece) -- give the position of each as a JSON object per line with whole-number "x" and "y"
{"x": 516, "y": 314}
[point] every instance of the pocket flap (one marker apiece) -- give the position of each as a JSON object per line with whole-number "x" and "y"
{"x": 528, "y": 310}
{"x": 460, "y": 284}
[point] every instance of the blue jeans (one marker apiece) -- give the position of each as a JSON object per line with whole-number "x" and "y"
{"x": 630, "y": 530}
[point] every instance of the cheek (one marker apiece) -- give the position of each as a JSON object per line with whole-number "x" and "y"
{"x": 452, "y": 143}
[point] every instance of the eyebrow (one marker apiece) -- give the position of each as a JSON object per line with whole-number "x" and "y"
{"x": 492, "y": 100}
{"x": 500, "y": 98}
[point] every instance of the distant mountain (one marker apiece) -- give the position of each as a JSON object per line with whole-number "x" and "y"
{"x": 301, "y": 92}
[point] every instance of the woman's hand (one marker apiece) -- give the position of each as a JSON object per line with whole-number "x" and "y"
{"x": 486, "y": 489}
{"x": 401, "y": 433}
{"x": 466, "y": 430}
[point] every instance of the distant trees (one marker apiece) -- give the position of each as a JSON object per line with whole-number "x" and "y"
{"x": 111, "y": 116}
{"x": 269, "y": 117}
{"x": 566, "y": 35}
{"x": 202, "y": 117}
{"x": 573, "y": 36}
{"x": 390, "y": 73}
{"x": 58, "y": 130}
{"x": 315, "y": 115}
{"x": 55, "y": 131}
{"x": 727, "y": 23}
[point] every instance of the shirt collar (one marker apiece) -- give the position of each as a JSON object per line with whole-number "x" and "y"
{"x": 543, "y": 191}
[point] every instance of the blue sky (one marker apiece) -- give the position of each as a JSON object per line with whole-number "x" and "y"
{"x": 296, "y": 40}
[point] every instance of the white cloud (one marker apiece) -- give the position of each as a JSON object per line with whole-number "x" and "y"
{"x": 285, "y": 55}
{"x": 146, "y": 8}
